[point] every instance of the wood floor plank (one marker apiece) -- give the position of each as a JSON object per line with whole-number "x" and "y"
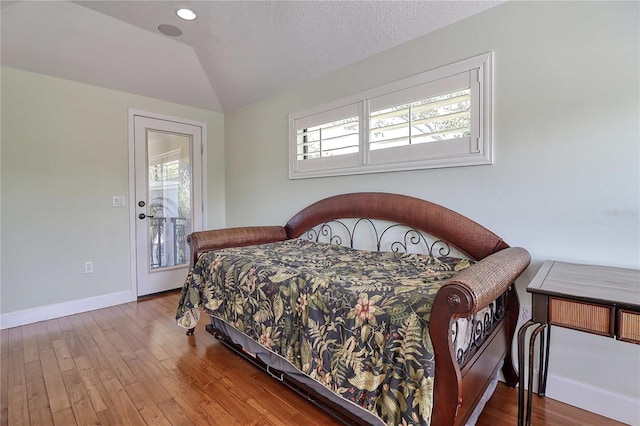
{"x": 14, "y": 339}
{"x": 126, "y": 409}
{"x": 109, "y": 416}
{"x": 137, "y": 314}
{"x": 18, "y": 412}
{"x": 65, "y": 324}
{"x": 272, "y": 394}
{"x": 30, "y": 343}
{"x": 138, "y": 333}
{"x": 233, "y": 404}
{"x": 124, "y": 325}
{"x": 120, "y": 346}
{"x": 56, "y": 391}
{"x": 97, "y": 358}
{"x": 64, "y": 417}
{"x": 17, "y": 399}
{"x": 156, "y": 391}
{"x": 81, "y": 406}
{"x": 502, "y": 410}
{"x": 43, "y": 337}
{"x": 203, "y": 413}
{"x": 147, "y": 408}
{"x": 118, "y": 365}
{"x": 53, "y": 327}
{"x": 4, "y": 341}
{"x": 4, "y": 378}
{"x": 145, "y": 366}
{"x": 92, "y": 384}
{"x": 174, "y": 413}
{"x": 63, "y": 354}
{"x": 183, "y": 388}
{"x": 39, "y": 410}
{"x": 71, "y": 337}
{"x": 132, "y": 365}
{"x": 156, "y": 327}
{"x": 109, "y": 325}
{"x": 173, "y": 386}
{"x": 101, "y": 320}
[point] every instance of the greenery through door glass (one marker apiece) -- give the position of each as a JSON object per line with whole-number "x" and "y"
{"x": 169, "y": 199}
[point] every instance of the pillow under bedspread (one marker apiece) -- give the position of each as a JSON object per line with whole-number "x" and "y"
{"x": 354, "y": 320}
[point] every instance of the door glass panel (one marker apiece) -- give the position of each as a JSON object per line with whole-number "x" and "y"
{"x": 169, "y": 198}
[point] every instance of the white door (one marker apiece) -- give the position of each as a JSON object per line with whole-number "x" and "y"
{"x": 168, "y": 200}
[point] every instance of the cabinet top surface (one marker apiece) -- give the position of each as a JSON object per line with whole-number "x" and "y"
{"x": 590, "y": 282}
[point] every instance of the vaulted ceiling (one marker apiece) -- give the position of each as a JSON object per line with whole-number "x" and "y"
{"x": 233, "y": 54}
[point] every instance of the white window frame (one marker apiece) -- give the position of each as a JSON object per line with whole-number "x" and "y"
{"x": 476, "y": 150}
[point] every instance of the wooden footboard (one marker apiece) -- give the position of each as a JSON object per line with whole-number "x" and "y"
{"x": 457, "y": 390}
{"x": 455, "y": 393}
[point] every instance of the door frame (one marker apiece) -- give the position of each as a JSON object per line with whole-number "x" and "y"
{"x": 132, "y": 113}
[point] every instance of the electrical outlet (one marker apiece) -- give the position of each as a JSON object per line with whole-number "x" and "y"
{"x": 525, "y": 313}
{"x": 88, "y": 267}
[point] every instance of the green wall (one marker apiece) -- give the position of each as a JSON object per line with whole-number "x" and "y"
{"x": 65, "y": 154}
{"x": 566, "y": 179}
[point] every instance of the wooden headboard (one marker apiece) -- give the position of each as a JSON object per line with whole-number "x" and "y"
{"x": 463, "y": 233}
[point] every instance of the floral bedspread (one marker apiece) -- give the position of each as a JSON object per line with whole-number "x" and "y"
{"x": 355, "y": 321}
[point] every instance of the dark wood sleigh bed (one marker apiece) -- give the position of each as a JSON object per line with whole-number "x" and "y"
{"x": 484, "y": 289}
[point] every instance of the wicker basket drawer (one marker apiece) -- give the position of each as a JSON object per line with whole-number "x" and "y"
{"x": 629, "y": 326}
{"x": 581, "y": 316}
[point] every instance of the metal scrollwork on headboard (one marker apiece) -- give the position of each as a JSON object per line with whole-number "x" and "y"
{"x": 468, "y": 335}
{"x": 325, "y": 230}
{"x": 413, "y": 237}
{"x": 378, "y": 236}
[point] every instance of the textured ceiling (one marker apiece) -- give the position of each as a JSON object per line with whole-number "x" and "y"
{"x": 233, "y": 54}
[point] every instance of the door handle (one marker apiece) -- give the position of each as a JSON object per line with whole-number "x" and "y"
{"x": 143, "y": 216}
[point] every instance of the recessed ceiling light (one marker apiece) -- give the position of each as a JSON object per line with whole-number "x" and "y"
{"x": 169, "y": 30}
{"x": 186, "y": 14}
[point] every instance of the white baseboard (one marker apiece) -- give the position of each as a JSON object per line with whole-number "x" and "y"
{"x": 590, "y": 398}
{"x": 43, "y": 313}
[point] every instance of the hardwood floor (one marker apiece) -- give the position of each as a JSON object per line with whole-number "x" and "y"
{"x": 131, "y": 365}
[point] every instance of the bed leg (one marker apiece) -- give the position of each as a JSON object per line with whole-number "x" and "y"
{"x": 190, "y": 331}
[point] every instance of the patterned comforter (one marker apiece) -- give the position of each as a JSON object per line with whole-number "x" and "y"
{"x": 355, "y": 321}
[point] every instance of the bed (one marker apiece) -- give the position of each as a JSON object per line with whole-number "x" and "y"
{"x": 380, "y": 308}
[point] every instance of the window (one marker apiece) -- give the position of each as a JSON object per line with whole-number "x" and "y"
{"x": 439, "y": 118}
